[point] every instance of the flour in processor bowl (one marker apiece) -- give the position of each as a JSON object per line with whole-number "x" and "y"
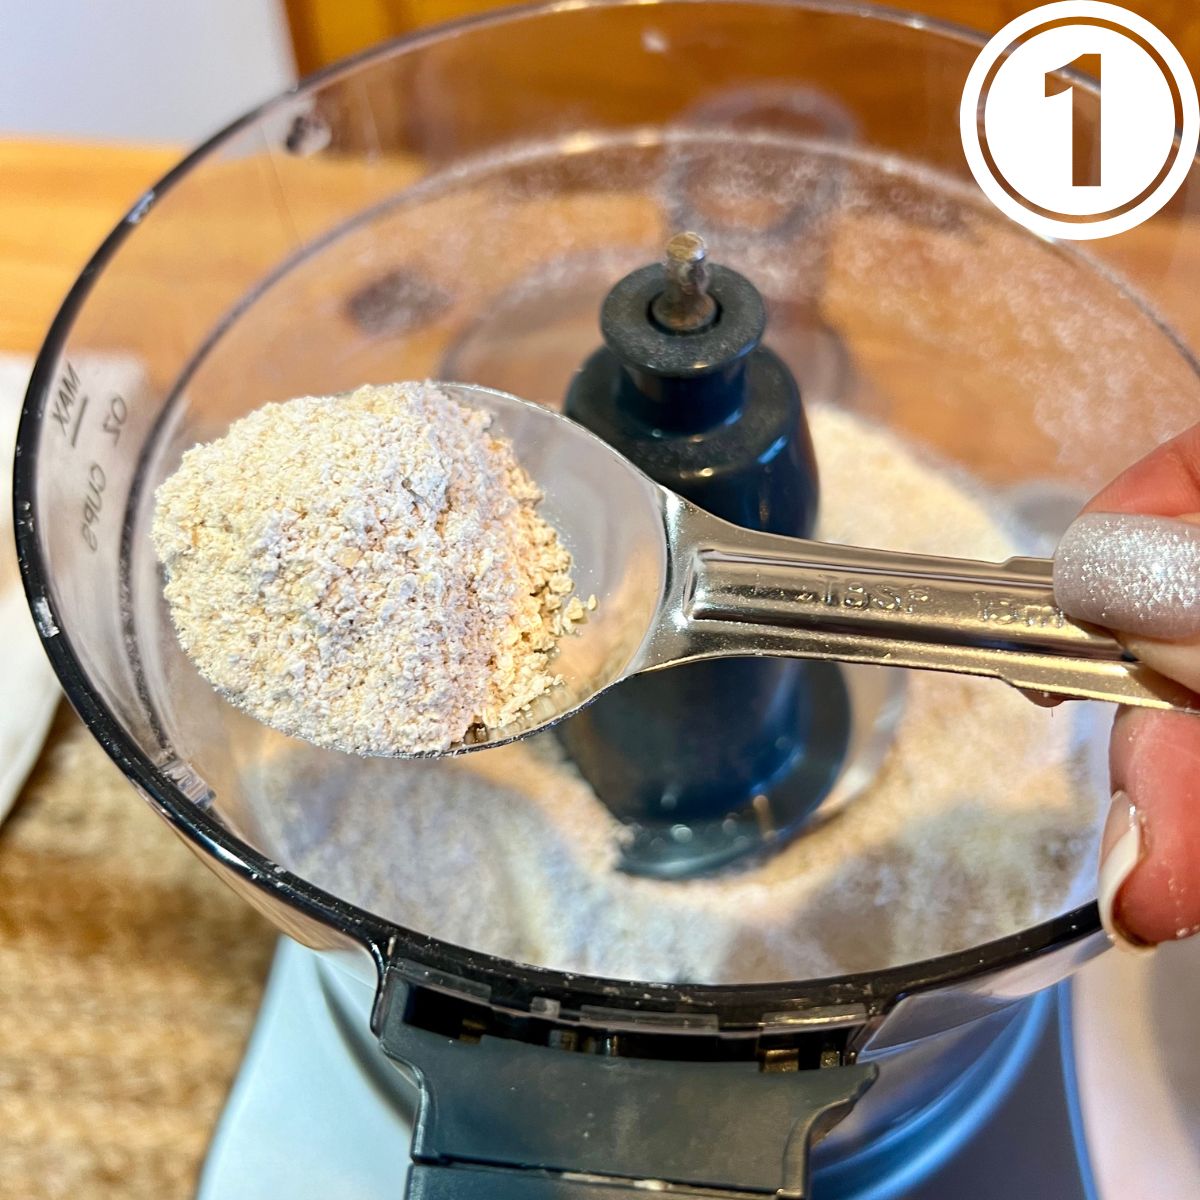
{"x": 367, "y": 572}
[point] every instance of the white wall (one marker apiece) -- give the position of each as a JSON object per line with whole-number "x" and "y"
{"x": 144, "y": 70}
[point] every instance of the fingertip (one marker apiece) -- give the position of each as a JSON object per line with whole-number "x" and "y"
{"x": 1150, "y": 873}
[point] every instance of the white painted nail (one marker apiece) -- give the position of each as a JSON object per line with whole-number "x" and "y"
{"x": 1115, "y": 868}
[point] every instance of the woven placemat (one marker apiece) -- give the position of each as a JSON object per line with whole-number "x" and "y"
{"x": 129, "y": 980}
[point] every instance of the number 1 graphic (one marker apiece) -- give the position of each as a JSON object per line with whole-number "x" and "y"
{"x": 1085, "y": 166}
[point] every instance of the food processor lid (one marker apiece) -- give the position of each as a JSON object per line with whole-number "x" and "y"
{"x": 987, "y": 975}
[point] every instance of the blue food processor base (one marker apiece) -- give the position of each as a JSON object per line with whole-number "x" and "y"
{"x": 318, "y": 1113}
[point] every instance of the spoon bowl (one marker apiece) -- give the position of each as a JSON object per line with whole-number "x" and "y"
{"x": 610, "y": 516}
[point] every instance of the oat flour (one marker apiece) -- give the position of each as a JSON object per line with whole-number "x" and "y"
{"x": 367, "y": 572}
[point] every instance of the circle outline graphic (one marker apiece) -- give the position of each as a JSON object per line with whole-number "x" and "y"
{"x": 1083, "y": 12}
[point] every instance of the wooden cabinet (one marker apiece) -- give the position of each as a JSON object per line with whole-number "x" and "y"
{"x": 326, "y": 30}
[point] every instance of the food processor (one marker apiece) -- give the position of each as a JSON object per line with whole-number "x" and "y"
{"x": 465, "y": 204}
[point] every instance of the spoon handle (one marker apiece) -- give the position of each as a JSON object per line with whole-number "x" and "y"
{"x": 742, "y": 593}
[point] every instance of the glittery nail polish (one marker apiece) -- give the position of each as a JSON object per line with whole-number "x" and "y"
{"x": 1136, "y": 574}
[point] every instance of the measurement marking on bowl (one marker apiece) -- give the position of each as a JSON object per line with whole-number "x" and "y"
{"x": 70, "y": 403}
{"x": 44, "y": 618}
{"x": 189, "y": 782}
{"x": 69, "y": 394}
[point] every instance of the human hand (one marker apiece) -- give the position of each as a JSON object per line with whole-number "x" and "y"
{"x": 1131, "y": 562}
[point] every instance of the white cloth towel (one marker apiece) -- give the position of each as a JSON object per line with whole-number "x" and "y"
{"x": 29, "y": 690}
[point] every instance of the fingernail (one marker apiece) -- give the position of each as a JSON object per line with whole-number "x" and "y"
{"x": 1136, "y": 574}
{"x": 1121, "y": 851}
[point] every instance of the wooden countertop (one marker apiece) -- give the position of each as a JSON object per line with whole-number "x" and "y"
{"x": 57, "y": 202}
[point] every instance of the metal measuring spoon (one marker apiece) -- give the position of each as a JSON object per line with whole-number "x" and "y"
{"x": 675, "y": 584}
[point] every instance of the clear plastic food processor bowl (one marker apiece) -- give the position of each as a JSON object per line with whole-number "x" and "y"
{"x": 456, "y": 206}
